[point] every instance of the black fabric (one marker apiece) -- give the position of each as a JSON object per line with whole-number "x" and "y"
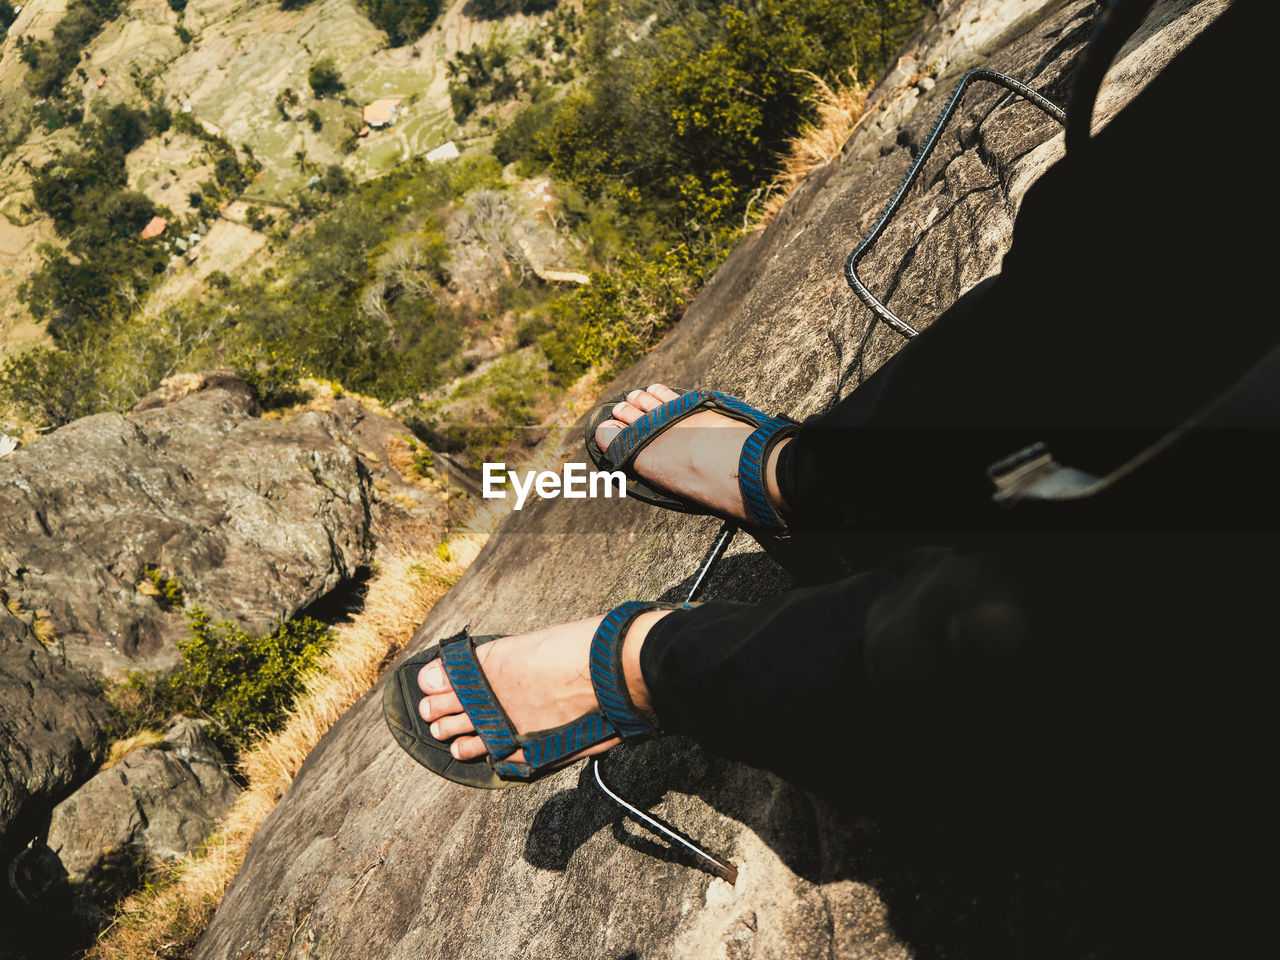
{"x": 1136, "y": 290}
{"x": 1091, "y": 692}
{"x": 1103, "y": 707}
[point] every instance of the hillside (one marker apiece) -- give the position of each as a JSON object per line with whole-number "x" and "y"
{"x": 369, "y": 855}
{"x": 227, "y": 63}
{"x": 253, "y": 354}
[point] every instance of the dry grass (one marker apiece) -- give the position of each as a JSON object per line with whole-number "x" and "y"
{"x": 320, "y": 395}
{"x": 139, "y": 741}
{"x": 166, "y": 918}
{"x": 840, "y": 110}
{"x": 42, "y": 627}
{"x": 401, "y": 457}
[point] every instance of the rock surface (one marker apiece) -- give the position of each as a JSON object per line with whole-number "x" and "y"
{"x": 50, "y": 730}
{"x": 157, "y": 803}
{"x": 369, "y": 855}
{"x": 256, "y": 518}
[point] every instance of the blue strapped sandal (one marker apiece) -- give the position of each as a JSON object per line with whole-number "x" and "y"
{"x": 545, "y": 750}
{"x": 626, "y": 446}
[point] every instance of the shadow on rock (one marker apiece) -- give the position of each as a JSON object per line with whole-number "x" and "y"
{"x": 955, "y": 885}
{"x": 965, "y": 867}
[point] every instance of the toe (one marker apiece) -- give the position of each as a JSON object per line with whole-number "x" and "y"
{"x": 607, "y": 431}
{"x": 453, "y": 725}
{"x": 439, "y": 705}
{"x": 467, "y": 748}
{"x": 432, "y": 679}
{"x": 644, "y": 400}
{"x": 662, "y": 392}
{"x": 627, "y": 413}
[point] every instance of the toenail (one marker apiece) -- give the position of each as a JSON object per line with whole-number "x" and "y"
{"x": 435, "y": 729}
{"x": 453, "y": 751}
{"x": 653, "y": 386}
{"x": 435, "y": 675}
{"x": 619, "y": 408}
{"x": 633, "y": 394}
{"x": 607, "y": 433}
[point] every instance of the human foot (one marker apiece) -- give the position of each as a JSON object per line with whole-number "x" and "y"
{"x": 697, "y": 457}
{"x": 541, "y": 679}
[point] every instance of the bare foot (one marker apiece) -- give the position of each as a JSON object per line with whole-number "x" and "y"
{"x": 541, "y": 679}
{"x": 697, "y": 457}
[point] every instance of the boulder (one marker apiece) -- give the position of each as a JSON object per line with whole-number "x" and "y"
{"x": 255, "y": 518}
{"x": 50, "y": 730}
{"x": 370, "y": 855}
{"x": 51, "y": 740}
{"x": 157, "y": 803}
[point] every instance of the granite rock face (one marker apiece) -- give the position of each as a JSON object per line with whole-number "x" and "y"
{"x": 50, "y": 729}
{"x": 382, "y": 859}
{"x": 157, "y": 803}
{"x": 255, "y": 518}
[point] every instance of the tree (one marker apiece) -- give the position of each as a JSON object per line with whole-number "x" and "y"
{"x": 688, "y": 122}
{"x": 52, "y": 387}
{"x": 403, "y": 20}
{"x": 324, "y": 78}
{"x": 335, "y": 180}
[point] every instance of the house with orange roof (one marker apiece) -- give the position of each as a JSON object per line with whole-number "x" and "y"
{"x": 382, "y": 113}
{"x": 154, "y": 228}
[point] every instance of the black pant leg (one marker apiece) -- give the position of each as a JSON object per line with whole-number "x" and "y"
{"x": 1132, "y": 295}
{"x": 1098, "y": 702}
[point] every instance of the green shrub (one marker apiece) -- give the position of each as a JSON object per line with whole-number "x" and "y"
{"x": 403, "y": 20}
{"x": 612, "y": 321}
{"x": 168, "y": 590}
{"x": 688, "y": 121}
{"x": 244, "y": 684}
{"x": 324, "y": 79}
{"x": 272, "y": 374}
{"x": 52, "y": 61}
{"x": 518, "y": 140}
{"x": 49, "y": 387}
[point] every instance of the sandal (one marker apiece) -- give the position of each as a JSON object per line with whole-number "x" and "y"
{"x": 626, "y": 446}
{"x": 545, "y": 750}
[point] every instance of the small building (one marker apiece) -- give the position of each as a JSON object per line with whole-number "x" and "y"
{"x": 382, "y": 113}
{"x": 154, "y": 228}
{"x": 446, "y": 151}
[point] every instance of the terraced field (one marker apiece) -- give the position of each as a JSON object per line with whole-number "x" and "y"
{"x": 243, "y": 54}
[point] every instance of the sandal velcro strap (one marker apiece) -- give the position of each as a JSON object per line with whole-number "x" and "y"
{"x": 607, "y": 677}
{"x": 542, "y": 748}
{"x": 617, "y": 715}
{"x": 751, "y": 472}
{"x": 494, "y": 727}
{"x": 627, "y": 445}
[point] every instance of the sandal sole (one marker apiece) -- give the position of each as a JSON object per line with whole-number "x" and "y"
{"x": 400, "y": 699}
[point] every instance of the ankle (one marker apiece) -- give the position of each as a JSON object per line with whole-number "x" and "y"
{"x": 631, "y": 657}
{"x": 772, "y": 486}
